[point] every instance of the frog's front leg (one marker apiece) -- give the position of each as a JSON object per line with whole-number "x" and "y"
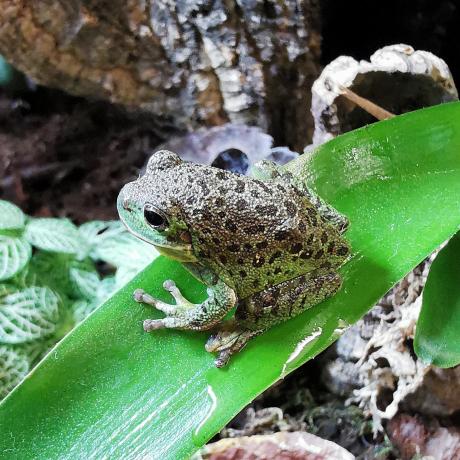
{"x": 272, "y": 306}
{"x": 187, "y": 315}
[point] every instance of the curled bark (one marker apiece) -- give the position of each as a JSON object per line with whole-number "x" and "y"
{"x": 190, "y": 62}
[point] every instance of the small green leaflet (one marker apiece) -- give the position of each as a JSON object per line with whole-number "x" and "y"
{"x": 15, "y": 252}
{"x": 11, "y": 217}
{"x": 85, "y": 282}
{"x": 56, "y": 235}
{"x": 28, "y": 315}
{"x": 14, "y": 366}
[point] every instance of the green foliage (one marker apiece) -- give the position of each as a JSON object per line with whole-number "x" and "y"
{"x": 438, "y": 327}
{"x": 11, "y": 217}
{"x": 15, "y": 252}
{"x": 57, "y": 235}
{"x": 44, "y": 295}
{"x": 28, "y": 314}
{"x": 108, "y": 390}
{"x": 14, "y": 366}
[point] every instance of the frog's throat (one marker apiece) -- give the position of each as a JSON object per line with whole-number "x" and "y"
{"x": 180, "y": 252}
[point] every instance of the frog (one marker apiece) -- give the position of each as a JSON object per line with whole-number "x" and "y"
{"x": 266, "y": 246}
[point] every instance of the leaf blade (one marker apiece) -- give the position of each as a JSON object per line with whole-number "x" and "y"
{"x": 436, "y": 336}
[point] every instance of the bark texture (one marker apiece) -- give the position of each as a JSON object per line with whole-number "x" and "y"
{"x": 195, "y": 62}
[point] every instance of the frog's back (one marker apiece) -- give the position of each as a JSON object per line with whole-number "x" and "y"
{"x": 257, "y": 234}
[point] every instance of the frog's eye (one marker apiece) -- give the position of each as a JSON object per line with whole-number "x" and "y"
{"x": 154, "y": 217}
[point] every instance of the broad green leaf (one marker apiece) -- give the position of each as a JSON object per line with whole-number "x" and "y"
{"x": 109, "y": 390}
{"x": 11, "y": 217}
{"x": 15, "y": 252}
{"x": 28, "y": 315}
{"x": 438, "y": 327}
{"x": 13, "y": 368}
{"x": 56, "y": 235}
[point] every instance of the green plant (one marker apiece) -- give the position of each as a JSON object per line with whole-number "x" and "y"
{"x": 109, "y": 390}
{"x": 49, "y": 281}
{"x": 438, "y": 327}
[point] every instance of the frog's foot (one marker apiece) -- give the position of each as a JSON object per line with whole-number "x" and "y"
{"x": 185, "y": 314}
{"x": 228, "y": 341}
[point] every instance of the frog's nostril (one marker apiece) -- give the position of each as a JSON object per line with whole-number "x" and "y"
{"x": 126, "y": 204}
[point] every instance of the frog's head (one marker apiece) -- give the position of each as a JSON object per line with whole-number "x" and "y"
{"x": 148, "y": 207}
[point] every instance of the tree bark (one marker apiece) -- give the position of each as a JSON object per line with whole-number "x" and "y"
{"x": 192, "y": 63}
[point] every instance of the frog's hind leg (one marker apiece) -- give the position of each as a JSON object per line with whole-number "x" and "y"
{"x": 272, "y": 306}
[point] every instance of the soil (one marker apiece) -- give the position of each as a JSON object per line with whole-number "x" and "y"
{"x": 66, "y": 156}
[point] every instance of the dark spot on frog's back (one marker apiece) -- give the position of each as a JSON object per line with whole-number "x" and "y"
{"x": 219, "y": 201}
{"x": 262, "y": 185}
{"x": 239, "y": 186}
{"x": 324, "y": 238}
{"x": 261, "y": 245}
{"x": 291, "y": 208}
{"x": 258, "y": 261}
{"x": 274, "y": 256}
{"x": 319, "y": 254}
{"x": 204, "y": 186}
{"x": 267, "y": 209}
{"x": 229, "y": 225}
{"x": 233, "y": 247}
{"x": 342, "y": 251}
{"x": 296, "y": 248}
{"x": 221, "y": 175}
{"x": 281, "y": 235}
{"x": 241, "y": 204}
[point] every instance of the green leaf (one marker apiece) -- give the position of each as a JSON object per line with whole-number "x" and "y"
{"x": 15, "y": 252}
{"x": 82, "y": 308}
{"x": 49, "y": 269}
{"x": 125, "y": 250}
{"x": 96, "y": 231}
{"x": 11, "y": 217}
{"x": 109, "y": 390}
{"x": 86, "y": 282}
{"x": 13, "y": 368}
{"x": 28, "y": 315}
{"x": 438, "y": 327}
{"x": 56, "y": 235}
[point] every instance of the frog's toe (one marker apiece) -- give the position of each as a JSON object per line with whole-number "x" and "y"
{"x": 138, "y": 295}
{"x": 181, "y": 301}
{"x": 153, "y": 324}
{"x": 227, "y": 342}
{"x": 222, "y": 358}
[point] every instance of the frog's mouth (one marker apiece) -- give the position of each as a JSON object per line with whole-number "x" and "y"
{"x": 182, "y": 253}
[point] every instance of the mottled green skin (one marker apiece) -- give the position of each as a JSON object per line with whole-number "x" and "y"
{"x": 271, "y": 247}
